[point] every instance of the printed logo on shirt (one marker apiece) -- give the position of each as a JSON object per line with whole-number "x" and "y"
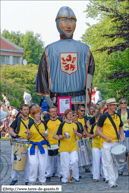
{"x": 69, "y": 62}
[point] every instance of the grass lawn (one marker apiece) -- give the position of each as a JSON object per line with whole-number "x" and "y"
{"x": 5, "y": 139}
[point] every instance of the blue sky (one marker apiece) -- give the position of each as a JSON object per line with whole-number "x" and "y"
{"x": 39, "y": 17}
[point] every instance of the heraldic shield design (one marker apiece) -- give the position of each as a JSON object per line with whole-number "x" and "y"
{"x": 69, "y": 62}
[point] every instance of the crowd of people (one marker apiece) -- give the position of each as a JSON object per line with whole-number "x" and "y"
{"x": 53, "y": 140}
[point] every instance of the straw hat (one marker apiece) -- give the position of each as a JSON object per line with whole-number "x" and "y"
{"x": 111, "y": 101}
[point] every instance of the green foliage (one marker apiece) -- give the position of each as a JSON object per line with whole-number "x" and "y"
{"x": 106, "y": 12}
{"x": 16, "y": 79}
{"x": 32, "y": 44}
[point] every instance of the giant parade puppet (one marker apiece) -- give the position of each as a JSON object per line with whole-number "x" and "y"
{"x": 67, "y": 66}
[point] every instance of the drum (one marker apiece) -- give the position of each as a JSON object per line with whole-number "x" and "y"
{"x": 84, "y": 152}
{"x": 119, "y": 154}
{"x": 126, "y": 143}
{"x": 53, "y": 150}
{"x": 20, "y": 154}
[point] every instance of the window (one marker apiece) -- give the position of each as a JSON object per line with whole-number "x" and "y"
{"x": 16, "y": 60}
{"x": 4, "y": 59}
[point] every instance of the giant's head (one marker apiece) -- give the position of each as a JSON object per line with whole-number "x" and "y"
{"x": 66, "y": 22}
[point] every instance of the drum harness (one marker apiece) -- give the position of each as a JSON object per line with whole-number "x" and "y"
{"x": 47, "y": 142}
{"x": 114, "y": 126}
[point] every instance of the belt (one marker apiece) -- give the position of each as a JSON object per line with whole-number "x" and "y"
{"x": 72, "y": 93}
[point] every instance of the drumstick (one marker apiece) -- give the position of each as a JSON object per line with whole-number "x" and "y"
{"x": 72, "y": 125}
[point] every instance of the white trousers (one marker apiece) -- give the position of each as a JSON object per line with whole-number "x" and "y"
{"x": 50, "y": 166}
{"x": 67, "y": 159}
{"x": 37, "y": 163}
{"x": 14, "y": 173}
{"x": 96, "y": 167}
{"x": 112, "y": 170}
{"x": 104, "y": 165}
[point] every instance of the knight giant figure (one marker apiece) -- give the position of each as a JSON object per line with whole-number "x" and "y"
{"x": 67, "y": 66}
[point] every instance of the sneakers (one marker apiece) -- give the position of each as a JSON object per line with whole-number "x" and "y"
{"x": 13, "y": 182}
{"x": 61, "y": 178}
{"x": 64, "y": 183}
{"x": 26, "y": 183}
{"x": 77, "y": 181}
{"x": 48, "y": 179}
{"x": 113, "y": 185}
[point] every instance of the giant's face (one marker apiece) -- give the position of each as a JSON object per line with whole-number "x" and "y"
{"x": 67, "y": 25}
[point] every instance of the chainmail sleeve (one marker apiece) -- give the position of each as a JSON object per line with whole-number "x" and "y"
{"x": 42, "y": 81}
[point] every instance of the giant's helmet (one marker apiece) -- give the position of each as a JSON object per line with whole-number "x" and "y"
{"x": 64, "y": 12}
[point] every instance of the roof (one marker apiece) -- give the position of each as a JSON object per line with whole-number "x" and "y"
{"x": 6, "y": 45}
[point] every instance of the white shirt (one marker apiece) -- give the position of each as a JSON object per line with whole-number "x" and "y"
{"x": 97, "y": 96}
{"x": 27, "y": 98}
{"x": 3, "y": 115}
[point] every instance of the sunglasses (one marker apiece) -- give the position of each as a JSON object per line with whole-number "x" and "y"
{"x": 123, "y": 103}
{"x": 82, "y": 110}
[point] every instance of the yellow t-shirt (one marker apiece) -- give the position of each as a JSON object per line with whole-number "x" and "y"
{"x": 124, "y": 120}
{"x": 82, "y": 121}
{"x": 52, "y": 127}
{"x": 96, "y": 140}
{"x": 68, "y": 145}
{"x": 35, "y": 136}
{"x": 20, "y": 126}
{"x": 107, "y": 127}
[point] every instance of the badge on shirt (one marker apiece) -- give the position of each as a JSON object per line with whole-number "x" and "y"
{"x": 69, "y": 62}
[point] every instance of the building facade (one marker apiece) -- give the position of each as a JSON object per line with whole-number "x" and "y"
{"x": 10, "y": 53}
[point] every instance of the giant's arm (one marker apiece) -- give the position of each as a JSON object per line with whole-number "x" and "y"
{"x": 91, "y": 66}
{"x": 42, "y": 82}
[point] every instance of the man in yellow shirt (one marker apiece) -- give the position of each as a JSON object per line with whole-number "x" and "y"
{"x": 109, "y": 138}
{"x": 19, "y": 129}
{"x": 52, "y": 125}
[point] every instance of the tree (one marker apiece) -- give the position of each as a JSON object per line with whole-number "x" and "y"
{"x": 109, "y": 41}
{"x": 32, "y": 44}
{"x": 16, "y": 79}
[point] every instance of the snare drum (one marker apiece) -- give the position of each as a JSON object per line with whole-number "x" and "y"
{"x": 119, "y": 154}
{"x": 84, "y": 152}
{"x": 20, "y": 154}
{"x": 53, "y": 150}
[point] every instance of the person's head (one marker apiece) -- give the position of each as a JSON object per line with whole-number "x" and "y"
{"x": 98, "y": 115}
{"x": 75, "y": 116}
{"x": 103, "y": 102}
{"x": 36, "y": 113}
{"x": 95, "y": 89}
{"x": 68, "y": 114}
{"x": 91, "y": 108}
{"x": 7, "y": 99}
{"x": 24, "y": 108}
{"x": 66, "y": 22}
{"x": 53, "y": 112}
{"x": 111, "y": 105}
{"x": 81, "y": 111}
{"x": 3, "y": 94}
{"x": 123, "y": 103}
{"x": 95, "y": 111}
{"x": 32, "y": 107}
{"x": 10, "y": 108}
{"x": 19, "y": 114}
{"x": 100, "y": 108}
{"x": 13, "y": 116}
